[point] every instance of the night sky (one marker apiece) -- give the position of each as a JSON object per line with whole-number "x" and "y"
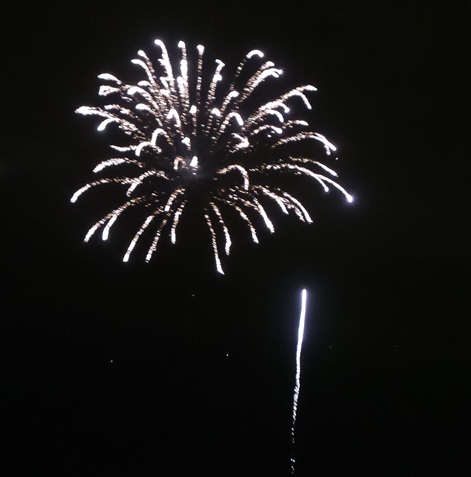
{"x": 168, "y": 368}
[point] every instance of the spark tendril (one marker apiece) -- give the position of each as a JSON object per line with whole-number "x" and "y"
{"x": 188, "y": 139}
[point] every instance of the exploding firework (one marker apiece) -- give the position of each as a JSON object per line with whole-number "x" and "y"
{"x": 188, "y": 139}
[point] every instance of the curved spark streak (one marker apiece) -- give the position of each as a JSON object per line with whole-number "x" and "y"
{"x": 297, "y": 385}
{"x": 179, "y": 138}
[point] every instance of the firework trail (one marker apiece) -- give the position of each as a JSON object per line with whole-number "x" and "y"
{"x": 188, "y": 140}
{"x": 297, "y": 385}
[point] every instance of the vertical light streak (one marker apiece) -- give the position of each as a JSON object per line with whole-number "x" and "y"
{"x": 297, "y": 385}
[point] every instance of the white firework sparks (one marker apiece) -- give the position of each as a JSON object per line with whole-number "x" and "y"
{"x": 185, "y": 143}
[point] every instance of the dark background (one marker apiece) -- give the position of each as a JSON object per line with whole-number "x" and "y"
{"x": 170, "y": 369}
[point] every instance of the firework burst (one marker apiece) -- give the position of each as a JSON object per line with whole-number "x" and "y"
{"x": 189, "y": 139}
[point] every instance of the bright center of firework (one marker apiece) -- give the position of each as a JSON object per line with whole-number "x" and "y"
{"x": 187, "y": 143}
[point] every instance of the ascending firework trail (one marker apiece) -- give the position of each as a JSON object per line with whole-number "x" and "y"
{"x": 297, "y": 384}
